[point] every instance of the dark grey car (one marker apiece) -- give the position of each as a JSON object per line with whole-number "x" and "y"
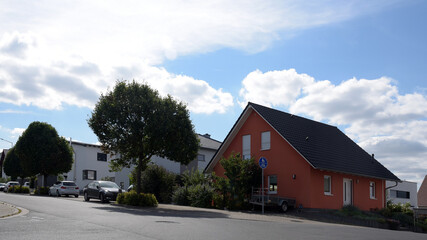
{"x": 102, "y": 190}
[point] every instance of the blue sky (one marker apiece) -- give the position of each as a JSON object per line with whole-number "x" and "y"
{"x": 359, "y": 65}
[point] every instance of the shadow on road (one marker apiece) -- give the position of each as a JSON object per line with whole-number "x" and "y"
{"x": 162, "y": 212}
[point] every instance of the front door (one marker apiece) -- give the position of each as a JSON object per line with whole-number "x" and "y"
{"x": 348, "y": 191}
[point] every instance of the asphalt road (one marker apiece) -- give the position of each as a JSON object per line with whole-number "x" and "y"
{"x": 70, "y": 218}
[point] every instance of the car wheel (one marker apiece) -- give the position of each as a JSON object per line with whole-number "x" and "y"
{"x": 284, "y": 206}
{"x": 57, "y": 193}
{"x": 76, "y": 196}
{"x": 86, "y": 197}
{"x": 102, "y": 198}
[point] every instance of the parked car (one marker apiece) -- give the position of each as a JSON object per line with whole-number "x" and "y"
{"x": 2, "y": 186}
{"x": 10, "y": 184}
{"x": 27, "y": 184}
{"x": 130, "y": 188}
{"x": 64, "y": 188}
{"x": 102, "y": 190}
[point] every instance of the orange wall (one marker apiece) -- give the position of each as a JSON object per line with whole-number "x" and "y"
{"x": 361, "y": 196}
{"x": 284, "y": 161}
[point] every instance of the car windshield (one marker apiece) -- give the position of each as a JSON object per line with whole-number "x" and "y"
{"x": 68, "y": 184}
{"x": 108, "y": 185}
{"x": 2, "y": 184}
{"x": 14, "y": 183}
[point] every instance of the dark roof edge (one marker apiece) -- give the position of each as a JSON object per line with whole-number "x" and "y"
{"x": 226, "y": 138}
{"x": 282, "y": 136}
{"x": 360, "y": 175}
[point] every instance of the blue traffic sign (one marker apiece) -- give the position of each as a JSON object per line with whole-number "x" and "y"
{"x": 263, "y": 162}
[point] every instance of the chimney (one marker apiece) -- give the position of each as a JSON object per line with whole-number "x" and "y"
{"x": 206, "y": 135}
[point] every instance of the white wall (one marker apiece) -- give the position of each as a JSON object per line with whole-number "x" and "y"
{"x": 85, "y": 158}
{"x": 404, "y": 186}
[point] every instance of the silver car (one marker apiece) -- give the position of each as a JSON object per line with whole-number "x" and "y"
{"x": 64, "y": 188}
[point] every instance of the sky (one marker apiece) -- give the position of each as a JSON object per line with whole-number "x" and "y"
{"x": 358, "y": 65}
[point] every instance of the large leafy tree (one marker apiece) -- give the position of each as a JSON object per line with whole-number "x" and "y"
{"x": 12, "y": 166}
{"x": 42, "y": 151}
{"x": 133, "y": 123}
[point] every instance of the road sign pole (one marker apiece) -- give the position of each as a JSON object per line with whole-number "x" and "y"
{"x": 262, "y": 190}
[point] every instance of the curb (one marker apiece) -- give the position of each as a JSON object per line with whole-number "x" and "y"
{"x": 8, "y": 210}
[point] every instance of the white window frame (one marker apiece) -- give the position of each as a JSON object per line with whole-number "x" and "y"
{"x": 246, "y": 146}
{"x": 372, "y": 190}
{"x": 329, "y": 179}
{"x": 265, "y": 140}
{"x": 277, "y": 184}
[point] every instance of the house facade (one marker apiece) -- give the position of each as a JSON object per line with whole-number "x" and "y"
{"x": 404, "y": 192}
{"x": 314, "y": 163}
{"x": 422, "y": 194}
{"x": 91, "y": 163}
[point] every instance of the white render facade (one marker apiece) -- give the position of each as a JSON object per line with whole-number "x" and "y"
{"x": 404, "y": 192}
{"x": 91, "y": 163}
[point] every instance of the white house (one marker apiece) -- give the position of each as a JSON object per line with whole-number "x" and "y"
{"x": 91, "y": 163}
{"x": 404, "y": 192}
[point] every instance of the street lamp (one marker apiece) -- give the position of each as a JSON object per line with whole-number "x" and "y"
{"x": 11, "y": 143}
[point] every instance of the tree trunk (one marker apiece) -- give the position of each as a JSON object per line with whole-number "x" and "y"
{"x": 138, "y": 176}
{"x": 45, "y": 180}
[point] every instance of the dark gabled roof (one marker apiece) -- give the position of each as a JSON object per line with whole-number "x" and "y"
{"x": 324, "y": 146}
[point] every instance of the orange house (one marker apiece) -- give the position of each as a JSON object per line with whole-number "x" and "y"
{"x": 312, "y": 162}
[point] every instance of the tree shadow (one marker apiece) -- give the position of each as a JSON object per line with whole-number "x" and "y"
{"x": 162, "y": 212}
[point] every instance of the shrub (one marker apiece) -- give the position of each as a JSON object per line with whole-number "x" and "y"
{"x": 134, "y": 199}
{"x": 158, "y": 181}
{"x": 18, "y": 189}
{"x": 200, "y": 195}
{"x": 351, "y": 210}
{"x": 42, "y": 191}
{"x": 181, "y": 196}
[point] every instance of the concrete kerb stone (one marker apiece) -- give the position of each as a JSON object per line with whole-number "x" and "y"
{"x": 8, "y": 210}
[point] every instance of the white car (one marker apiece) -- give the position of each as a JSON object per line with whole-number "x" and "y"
{"x": 10, "y": 184}
{"x": 64, "y": 188}
{"x": 27, "y": 184}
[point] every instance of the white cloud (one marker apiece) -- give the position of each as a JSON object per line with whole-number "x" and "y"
{"x": 372, "y": 112}
{"x": 197, "y": 94}
{"x": 54, "y": 53}
{"x": 273, "y": 88}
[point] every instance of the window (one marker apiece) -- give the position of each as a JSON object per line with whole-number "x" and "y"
{"x": 201, "y": 157}
{"x": 327, "y": 185}
{"x": 372, "y": 190}
{"x": 265, "y": 141}
{"x": 89, "y": 175}
{"x": 272, "y": 183}
{"x": 102, "y": 157}
{"x": 400, "y": 194}
{"x": 246, "y": 148}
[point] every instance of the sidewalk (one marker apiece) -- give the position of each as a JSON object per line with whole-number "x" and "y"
{"x": 7, "y": 210}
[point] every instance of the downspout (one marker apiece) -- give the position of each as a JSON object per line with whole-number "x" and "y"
{"x": 389, "y": 188}
{"x": 75, "y": 161}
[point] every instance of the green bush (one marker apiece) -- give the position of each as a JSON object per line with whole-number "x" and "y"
{"x": 181, "y": 196}
{"x": 158, "y": 181}
{"x": 134, "y": 199}
{"x": 18, "y": 189}
{"x": 42, "y": 191}
{"x": 351, "y": 210}
{"x": 200, "y": 195}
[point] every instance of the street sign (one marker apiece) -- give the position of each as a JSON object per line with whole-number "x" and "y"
{"x": 263, "y": 162}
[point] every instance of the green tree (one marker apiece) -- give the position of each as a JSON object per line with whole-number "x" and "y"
{"x": 12, "y": 166}
{"x": 242, "y": 175}
{"x": 134, "y": 123}
{"x": 42, "y": 151}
